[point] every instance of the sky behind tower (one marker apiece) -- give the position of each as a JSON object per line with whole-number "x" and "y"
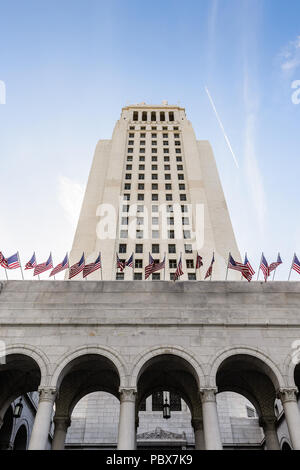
{"x": 69, "y": 66}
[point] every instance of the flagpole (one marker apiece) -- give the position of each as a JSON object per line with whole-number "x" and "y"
{"x": 244, "y": 263}
{"x": 275, "y": 268}
{"x": 227, "y": 266}
{"x": 196, "y": 266}
{"x": 6, "y": 274}
{"x": 259, "y": 266}
{"x": 212, "y": 266}
{"x": 165, "y": 266}
{"x": 132, "y": 266}
{"x": 291, "y": 267}
{"x": 101, "y": 278}
{"x": 20, "y": 266}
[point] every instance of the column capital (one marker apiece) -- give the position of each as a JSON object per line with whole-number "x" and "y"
{"x": 62, "y": 422}
{"x": 47, "y": 394}
{"x": 287, "y": 394}
{"x": 127, "y": 394}
{"x": 197, "y": 424}
{"x": 208, "y": 394}
{"x": 267, "y": 422}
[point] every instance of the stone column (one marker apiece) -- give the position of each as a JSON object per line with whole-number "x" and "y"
{"x": 126, "y": 437}
{"x": 197, "y": 424}
{"x": 288, "y": 397}
{"x": 60, "y": 431}
{"x": 41, "y": 427}
{"x": 268, "y": 423}
{"x": 212, "y": 436}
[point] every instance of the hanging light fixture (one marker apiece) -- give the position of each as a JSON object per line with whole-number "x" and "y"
{"x": 18, "y": 409}
{"x": 166, "y": 409}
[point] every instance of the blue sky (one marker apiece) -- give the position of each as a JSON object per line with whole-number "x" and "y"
{"x": 69, "y": 67}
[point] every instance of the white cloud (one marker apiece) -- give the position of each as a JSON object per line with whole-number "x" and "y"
{"x": 70, "y": 196}
{"x": 290, "y": 56}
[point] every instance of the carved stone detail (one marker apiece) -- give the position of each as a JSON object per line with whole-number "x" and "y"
{"x": 47, "y": 394}
{"x": 208, "y": 395}
{"x": 127, "y": 394}
{"x": 161, "y": 434}
{"x": 287, "y": 394}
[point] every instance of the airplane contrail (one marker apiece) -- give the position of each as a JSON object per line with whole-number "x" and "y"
{"x": 222, "y": 127}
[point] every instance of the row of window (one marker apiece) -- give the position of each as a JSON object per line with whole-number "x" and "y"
{"x": 153, "y": 116}
{"x": 155, "y": 276}
{"x": 154, "y": 197}
{"x": 155, "y": 220}
{"x": 154, "y": 208}
{"x": 155, "y": 248}
{"x": 153, "y": 150}
{"x": 154, "y": 158}
{"x": 138, "y": 263}
{"x": 142, "y": 143}
{"x": 154, "y": 167}
{"x": 154, "y": 135}
{"x": 154, "y": 176}
{"x": 153, "y": 128}
{"x": 154, "y": 186}
{"x": 158, "y": 401}
{"x": 155, "y": 234}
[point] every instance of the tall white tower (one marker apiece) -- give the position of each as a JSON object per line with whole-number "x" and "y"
{"x": 151, "y": 175}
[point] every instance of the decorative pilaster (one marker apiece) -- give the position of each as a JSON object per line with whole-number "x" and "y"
{"x": 60, "y": 431}
{"x": 268, "y": 423}
{"x": 288, "y": 397}
{"x": 42, "y": 422}
{"x": 127, "y": 431}
{"x": 197, "y": 424}
{"x": 212, "y": 436}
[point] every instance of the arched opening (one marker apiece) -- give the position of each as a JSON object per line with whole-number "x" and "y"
{"x": 286, "y": 446}
{"x": 81, "y": 378}
{"x": 6, "y": 430}
{"x": 252, "y": 378}
{"x": 135, "y": 116}
{"x": 20, "y": 442}
{"x": 144, "y": 116}
{"x": 153, "y": 116}
{"x": 171, "y": 116}
{"x": 170, "y": 379}
{"x": 162, "y": 116}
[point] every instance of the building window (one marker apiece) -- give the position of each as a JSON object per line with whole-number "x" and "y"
{"x": 129, "y": 158}
{"x": 155, "y": 233}
{"x": 178, "y": 150}
{"x": 154, "y": 142}
{"x": 140, "y": 197}
{"x": 176, "y": 136}
{"x": 250, "y": 412}
{"x": 154, "y": 176}
{"x": 153, "y": 116}
{"x": 171, "y": 234}
{"x": 183, "y": 197}
{"x": 139, "y": 208}
{"x": 138, "y": 263}
{"x": 179, "y": 167}
{"x": 181, "y": 186}
{"x": 128, "y": 176}
{"x": 172, "y": 248}
{"x": 178, "y": 159}
{"x": 175, "y": 402}
{"x": 165, "y": 128}
{"x": 166, "y": 150}
{"x": 127, "y": 186}
{"x": 154, "y": 158}
{"x": 153, "y": 128}
{"x": 167, "y": 167}
{"x": 165, "y": 136}
{"x": 132, "y": 128}
{"x": 170, "y": 208}
{"x": 162, "y": 116}
{"x": 175, "y": 128}
{"x": 177, "y": 142}
{"x": 130, "y": 142}
{"x": 167, "y": 176}
{"x": 141, "y": 176}
{"x": 172, "y": 276}
{"x": 156, "y": 277}
{"x": 171, "y": 116}
{"x": 185, "y": 221}
{"x": 122, "y": 248}
{"x": 186, "y": 234}
{"x": 154, "y": 208}
{"x": 154, "y": 197}
{"x": 123, "y": 233}
{"x": 188, "y": 248}
{"x": 130, "y": 150}
{"x": 166, "y": 159}
{"x": 124, "y": 220}
{"x": 184, "y": 209}
{"x": 120, "y": 277}
{"x": 131, "y": 135}
{"x": 125, "y": 208}
{"x": 138, "y": 277}
{"x": 180, "y": 176}
{"x": 170, "y": 220}
{"x": 189, "y": 263}
{"x": 154, "y": 150}
{"x": 144, "y": 116}
{"x": 140, "y": 221}
{"x": 141, "y": 167}
{"x": 155, "y": 220}
{"x": 165, "y": 142}
{"x": 126, "y": 197}
{"x": 169, "y": 197}
{"x": 172, "y": 263}
{"x": 154, "y": 167}
{"x": 142, "y": 134}
{"x": 142, "y": 150}
{"x": 191, "y": 276}
{"x": 139, "y": 248}
{"x": 141, "y": 158}
{"x": 168, "y": 186}
{"x": 141, "y": 186}
{"x": 135, "y": 116}
{"x": 154, "y": 186}
{"x": 154, "y": 136}
{"x": 155, "y": 248}
{"x": 139, "y": 234}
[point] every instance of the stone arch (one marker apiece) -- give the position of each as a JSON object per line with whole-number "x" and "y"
{"x": 34, "y": 353}
{"x": 291, "y": 362}
{"x": 21, "y": 437}
{"x": 140, "y": 361}
{"x": 275, "y": 374}
{"x": 285, "y": 444}
{"x": 108, "y": 353}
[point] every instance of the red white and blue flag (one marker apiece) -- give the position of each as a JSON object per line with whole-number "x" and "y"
{"x": 178, "y": 271}
{"x": 77, "y": 267}
{"x": 243, "y": 268}
{"x": 42, "y": 267}
{"x": 61, "y": 266}
{"x": 275, "y": 264}
{"x": 247, "y": 263}
{"x": 129, "y": 262}
{"x": 31, "y": 263}
{"x": 264, "y": 267}
{"x": 152, "y": 267}
{"x": 91, "y": 267}
{"x": 199, "y": 262}
{"x": 296, "y": 264}
{"x": 209, "y": 271}
{"x": 120, "y": 264}
{"x": 12, "y": 262}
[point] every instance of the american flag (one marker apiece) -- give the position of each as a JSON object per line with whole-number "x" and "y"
{"x": 243, "y": 268}
{"x": 296, "y": 264}
{"x": 31, "y": 263}
{"x": 90, "y": 268}
{"x": 40, "y": 268}
{"x": 12, "y": 262}
{"x": 275, "y": 264}
{"x": 130, "y": 262}
{"x": 77, "y": 267}
{"x": 152, "y": 267}
{"x": 178, "y": 271}
{"x": 61, "y": 266}
{"x": 209, "y": 271}
{"x": 247, "y": 263}
{"x": 1, "y": 258}
{"x": 199, "y": 262}
{"x": 120, "y": 264}
{"x": 264, "y": 267}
